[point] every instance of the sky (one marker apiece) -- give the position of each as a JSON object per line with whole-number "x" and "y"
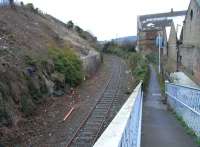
{"x": 107, "y": 19}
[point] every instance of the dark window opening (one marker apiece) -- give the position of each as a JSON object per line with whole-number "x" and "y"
{"x": 191, "y": 14}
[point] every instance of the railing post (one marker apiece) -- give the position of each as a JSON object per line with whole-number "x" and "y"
{"x": 165, "y": 97}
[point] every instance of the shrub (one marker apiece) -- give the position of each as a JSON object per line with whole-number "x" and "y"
{"x": 70, "y": 25}
{"x": 30, "y": 6}
{"x": 3, "y": 113}
{"x": 35, "y": 93}
{"x": 67, "y": 63}
{"x": 30, "y": 61}
{"x": 152, "y": 57}
{"x": 139, "y": 67}
{"x": 27, "y": 106}
{"x": 78, "y": 29}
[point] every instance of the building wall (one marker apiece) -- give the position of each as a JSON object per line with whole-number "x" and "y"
{"x": 191, "y": 60}
{"x": 172, "y": 51}
{"x": 191, "y": 31}
{"x": 190, "y": 50}
{"x": 147, "y": 41}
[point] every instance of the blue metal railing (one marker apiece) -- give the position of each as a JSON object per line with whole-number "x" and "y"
{"x": 125, "y": 129}
{"x": 185, "y": 101}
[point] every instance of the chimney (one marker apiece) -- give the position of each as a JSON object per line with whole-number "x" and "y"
{"x": 172, "y": 10}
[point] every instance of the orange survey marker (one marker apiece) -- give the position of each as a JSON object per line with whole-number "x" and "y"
{"x": 68, "y": 114}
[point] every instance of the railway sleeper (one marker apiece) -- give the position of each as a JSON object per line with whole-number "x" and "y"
{"x": 102, "y": 107}
{"x": 93, "y": 123}
{"x": 105, "y": 103}
{"x": 81, "y": 144}
{"x": 87, "y": 139}
{"x": 87, "y": 133}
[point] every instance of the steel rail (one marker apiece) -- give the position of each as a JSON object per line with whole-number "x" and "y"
{"x": 100, "y": 128}
{"x": 93, "y": 109}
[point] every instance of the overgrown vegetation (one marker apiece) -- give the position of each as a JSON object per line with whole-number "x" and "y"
{"x": 162, "y": 83}
{"x": 27, "y": 107}
{"x": 188, "y": 130}
{"x": 70, "y": 25}
{"x": 153, "y": 58}
{"x": 66, "y": 69}
{"x": 139, "y": 66}
{"x": 119, "y": 50}
{"x": 136, "y": 61}
{"x": 3, "y": 114}
{"x": 67, "y": 63}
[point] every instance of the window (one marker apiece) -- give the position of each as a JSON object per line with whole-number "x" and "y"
{"x": 191, "y": 15}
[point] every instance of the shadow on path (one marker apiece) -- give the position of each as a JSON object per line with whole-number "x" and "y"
{"x": 159, "y": 127}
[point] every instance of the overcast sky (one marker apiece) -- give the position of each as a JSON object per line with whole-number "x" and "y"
{"x": 107, "y": 19}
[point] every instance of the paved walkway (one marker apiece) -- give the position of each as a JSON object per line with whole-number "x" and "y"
{"x": 160, "y": 128}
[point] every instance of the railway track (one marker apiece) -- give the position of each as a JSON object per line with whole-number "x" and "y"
{"x": 91, "y": 126}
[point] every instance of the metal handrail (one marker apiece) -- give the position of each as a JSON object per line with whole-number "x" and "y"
{"x": 185, "y": 101}
{"x": 185, "y": 86}
{"x": 125, "y": 129}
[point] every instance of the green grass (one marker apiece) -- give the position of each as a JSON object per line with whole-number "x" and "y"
{"x": 188, "y": 130}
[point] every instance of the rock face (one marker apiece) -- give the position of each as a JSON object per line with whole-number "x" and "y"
{"x": 27, "y": 73}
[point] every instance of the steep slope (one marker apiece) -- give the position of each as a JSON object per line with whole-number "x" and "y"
{"x": 39, "y": 57}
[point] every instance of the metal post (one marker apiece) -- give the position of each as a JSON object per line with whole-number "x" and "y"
{"x": 159, "y": 39}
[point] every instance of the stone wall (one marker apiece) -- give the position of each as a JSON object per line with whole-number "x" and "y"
{"x": 191, "y": 29}
{"x": 190, "y": 59}
{"x": 91, "y": 63}
{"x": 172, "y": 51}
{"x": 190, "y": 50}
{"x": 147, "y": 41}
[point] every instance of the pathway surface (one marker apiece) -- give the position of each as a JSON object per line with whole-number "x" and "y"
{"x": 160, "y": 128}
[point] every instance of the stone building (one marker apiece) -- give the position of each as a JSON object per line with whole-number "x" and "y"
{"x": 150, "y": 25}
{"x": 175, "y": 37}
{"x": 172, "y": 46}
{"x": 190, "y": 48}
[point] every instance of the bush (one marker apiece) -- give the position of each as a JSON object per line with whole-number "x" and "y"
{"x": 27, "y": 106}
{"x": 35, "y": 93}
{"x": 139, "y": 67}
{"x": 67, "y": 63}
{"x": 78, "y": 29}
{"x": 70, "y": 25}
{"x": 153, "y": 58}
{"x": 3, "y": 113}
{"x": 30, "y": 61}
{"x": 119, "y": 50}
{"x": 30, "y": 6}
